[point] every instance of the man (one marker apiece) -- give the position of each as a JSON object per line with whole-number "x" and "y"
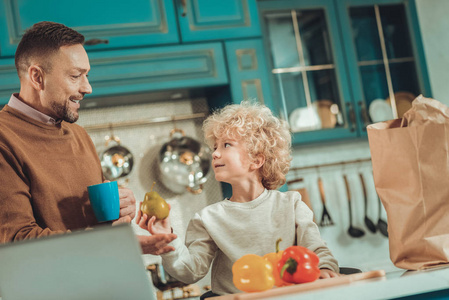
{"x": 47, "y": 161}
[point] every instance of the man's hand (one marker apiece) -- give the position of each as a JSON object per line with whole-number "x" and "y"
{"x": 156, "y": 244}
{"x": 127, "y": 206}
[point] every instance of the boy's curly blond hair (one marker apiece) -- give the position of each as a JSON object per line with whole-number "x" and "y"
{"x": 262, "y": 133}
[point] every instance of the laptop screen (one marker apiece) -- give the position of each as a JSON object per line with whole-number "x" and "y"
{"x": 102, "y": 263}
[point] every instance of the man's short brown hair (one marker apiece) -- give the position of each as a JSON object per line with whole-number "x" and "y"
{"x": 41, "y": 41}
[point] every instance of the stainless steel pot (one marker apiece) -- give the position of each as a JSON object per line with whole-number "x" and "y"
{"x": 184, "y": 163}
{"x": 116, "y": 161}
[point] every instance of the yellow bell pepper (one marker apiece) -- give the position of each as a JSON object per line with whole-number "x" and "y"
{"x": 252, "y": 273}
{"x": 274, "y": 258}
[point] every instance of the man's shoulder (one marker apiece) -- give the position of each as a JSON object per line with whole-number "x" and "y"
{"x": 73, "y": 126}
{"x": 7, "y": 120}
{"x": 4, "y": 115}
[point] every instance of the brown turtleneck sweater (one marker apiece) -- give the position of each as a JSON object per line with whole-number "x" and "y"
{"x": 44, "y": 171}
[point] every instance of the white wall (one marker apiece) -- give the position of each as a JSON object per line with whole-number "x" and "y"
{"x": 434, "y": 24}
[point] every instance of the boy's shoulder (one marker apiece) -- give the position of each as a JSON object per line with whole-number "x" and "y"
{"x": 212, "y": 207}
{"x": 288, "y": 195}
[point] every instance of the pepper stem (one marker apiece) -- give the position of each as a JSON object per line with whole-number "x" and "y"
{"x": 154, "y": 182}
{"x": 277, "y": 245}
{"x": 289, "y": 266}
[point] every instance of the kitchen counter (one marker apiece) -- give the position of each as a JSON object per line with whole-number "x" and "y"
{"x": 396, "y": 284}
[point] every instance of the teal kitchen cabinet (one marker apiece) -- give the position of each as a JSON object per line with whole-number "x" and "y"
{"x": 201, "y": 20}
{"x": 339, "y": 65}
{"x": 248, "y": 71}
{"x": 157, "y": 68}
{"x": 308, "y": 69}
{"x": 387, "y": 66}
{"x": 105, "y": 24}
{"x": 122, "y": 24}
{"x": 9, "y": 81}
{"x": 141, "y": 47}
{"x": 141, "y": 70}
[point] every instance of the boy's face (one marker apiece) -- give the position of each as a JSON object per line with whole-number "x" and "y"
{"x": 231, "y": 161}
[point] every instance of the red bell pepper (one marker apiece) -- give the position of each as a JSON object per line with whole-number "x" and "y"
{"x": 298, "y": 265}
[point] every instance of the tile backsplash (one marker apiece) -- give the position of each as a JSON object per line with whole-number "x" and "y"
{"x": 144, "y": 141}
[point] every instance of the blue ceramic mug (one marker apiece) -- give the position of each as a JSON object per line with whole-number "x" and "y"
{"x": 105, "y": 201}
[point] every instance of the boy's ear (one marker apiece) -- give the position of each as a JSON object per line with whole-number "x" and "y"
{"x": 258, "y": 162}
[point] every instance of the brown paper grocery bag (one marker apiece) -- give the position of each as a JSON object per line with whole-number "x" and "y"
{"x": 410, "y": 158}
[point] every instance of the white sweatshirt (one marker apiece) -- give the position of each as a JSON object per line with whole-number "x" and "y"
{"x": 225, "y": 231}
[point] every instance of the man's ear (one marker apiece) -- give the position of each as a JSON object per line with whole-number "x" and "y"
{"x": 36, "y": 75}
{"x": 258, "y": 162}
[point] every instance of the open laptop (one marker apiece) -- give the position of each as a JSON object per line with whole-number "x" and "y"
{"x": 102, "y": 263}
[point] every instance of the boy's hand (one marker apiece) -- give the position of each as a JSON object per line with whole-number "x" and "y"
{"x": 326, "y": 273}
{"x": 152, "y": 225}
{"x": 159, "y": 226}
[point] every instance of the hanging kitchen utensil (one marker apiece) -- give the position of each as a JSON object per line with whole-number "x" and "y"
{"x": 370, "y": 224}
{"x": 381, "y": 224}
{"x": 184, "y": 163}
{"x": 116, "y": 161}
{"x": 352, "y": 231}
{"x": 326, "y": 219}
{"x": 305, "y": 198}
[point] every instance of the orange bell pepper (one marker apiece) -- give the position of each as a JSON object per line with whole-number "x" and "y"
{"x": 274, "y": 258}
{"x": 252, "y": 273}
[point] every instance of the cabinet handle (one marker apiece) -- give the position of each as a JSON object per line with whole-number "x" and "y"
{"x": 351, "y": 116}
{"x": 184, "y": 8}
{"x": 93, "y": 42}
{"x": 364, "y": 114}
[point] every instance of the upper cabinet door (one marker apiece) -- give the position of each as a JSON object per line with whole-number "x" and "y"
{"x": 201, "y": 20}
{"x": 105, "y": 24}
{"x": 308, "y": 69}
{"x": 388, "y": 61}
{"x": 248, "y": 71}
{"x": 339, "y": 65}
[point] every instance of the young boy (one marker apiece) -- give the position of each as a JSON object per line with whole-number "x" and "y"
{"x": 252, "y": 154}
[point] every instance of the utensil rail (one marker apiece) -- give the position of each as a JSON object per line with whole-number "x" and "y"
{"x": 331, "y": 164}
{"x": 146, "y": 122}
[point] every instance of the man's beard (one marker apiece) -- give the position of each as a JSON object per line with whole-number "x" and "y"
{"x": 64, "y": 110}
